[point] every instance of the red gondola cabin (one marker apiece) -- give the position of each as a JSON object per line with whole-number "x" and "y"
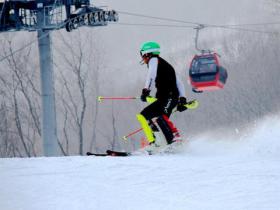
{"x": 206, "y": 73}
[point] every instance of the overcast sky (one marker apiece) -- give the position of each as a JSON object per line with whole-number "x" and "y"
{"x": 127, "y": 39}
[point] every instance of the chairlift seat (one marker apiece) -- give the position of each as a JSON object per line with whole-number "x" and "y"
{"x": 205, "y": 72}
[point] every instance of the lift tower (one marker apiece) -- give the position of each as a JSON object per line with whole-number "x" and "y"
{"x": 44, "y": 16}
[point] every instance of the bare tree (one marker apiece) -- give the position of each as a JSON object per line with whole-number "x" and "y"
{"x": 77, "y": 75}
{"x": 20, "y": 103}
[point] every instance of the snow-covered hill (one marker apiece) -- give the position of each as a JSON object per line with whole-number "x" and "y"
{"x": 222, "y": 174}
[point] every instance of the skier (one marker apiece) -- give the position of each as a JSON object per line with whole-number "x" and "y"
{"x": 170, "y": 93}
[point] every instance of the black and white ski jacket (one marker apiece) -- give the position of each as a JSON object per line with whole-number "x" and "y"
{"x": 162, "y": 75}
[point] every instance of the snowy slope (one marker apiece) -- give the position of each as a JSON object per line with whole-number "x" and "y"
{"x": 220, "y": 175}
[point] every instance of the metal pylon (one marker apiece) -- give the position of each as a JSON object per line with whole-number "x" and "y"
{"x": 50, "y": 142}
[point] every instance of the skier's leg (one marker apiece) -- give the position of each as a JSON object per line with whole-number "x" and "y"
{"x": 165, "y": 128}
{"x": 146, "y": 128}
{"x": 148, "y": 113}
{"x": 168, "y": 129}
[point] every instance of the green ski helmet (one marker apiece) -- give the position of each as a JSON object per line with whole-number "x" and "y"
{"x": 150, "y": 47}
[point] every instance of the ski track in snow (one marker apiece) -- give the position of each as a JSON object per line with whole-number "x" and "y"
{"x": 220, "y": 175}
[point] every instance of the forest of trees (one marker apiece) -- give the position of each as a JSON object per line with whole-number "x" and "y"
{"x": 85, "y": 67}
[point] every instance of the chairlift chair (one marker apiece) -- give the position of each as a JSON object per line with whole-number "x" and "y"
{"x": 206, "y": 73}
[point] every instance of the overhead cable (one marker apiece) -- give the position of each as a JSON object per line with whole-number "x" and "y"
{"x": 191, "y": 25}
{"x": 230, "y": 27}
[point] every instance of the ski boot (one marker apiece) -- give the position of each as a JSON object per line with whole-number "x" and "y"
{"x": 152, "y": 148}
{"x": 177, "y": 138}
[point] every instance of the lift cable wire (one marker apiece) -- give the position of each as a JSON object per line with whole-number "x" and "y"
{"x": 157, "y": 18}
{"x": 153, "y": 25}
{"x": 253, "y": 24}
{"x": 194, "y": 25}
{"x": 230, "y": 27}
{"x": 242, "y": 29}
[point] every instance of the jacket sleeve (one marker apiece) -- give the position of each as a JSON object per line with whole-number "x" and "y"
{"x": 152, "y": 73}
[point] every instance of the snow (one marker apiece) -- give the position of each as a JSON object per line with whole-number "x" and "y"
{"x": 229, "y": 174}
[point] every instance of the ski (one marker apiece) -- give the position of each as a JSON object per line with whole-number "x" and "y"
{"x": 115, "y": 153}
{"x": 96, "y": 154}
{"x": 167, "y": 149}
{"x": 110, "y": 153}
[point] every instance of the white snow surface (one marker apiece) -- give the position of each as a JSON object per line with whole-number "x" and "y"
{"x": 223, "y": 174}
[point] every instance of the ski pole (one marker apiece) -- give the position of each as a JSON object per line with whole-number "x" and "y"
{"x": 149, "y": 99}
{"x": 132, "y": 133}
{"x": 193, "y": 104}
{"x": 136, "y": 131}
{"x": 100, "y": 98}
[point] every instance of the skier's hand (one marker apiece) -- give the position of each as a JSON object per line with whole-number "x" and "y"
{"x": 181, "y": 104}
{"x": 145, "y": 94}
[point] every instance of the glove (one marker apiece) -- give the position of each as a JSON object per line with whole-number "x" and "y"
{"x": 181, "y": 104}
{"x": 145, "y": 94}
